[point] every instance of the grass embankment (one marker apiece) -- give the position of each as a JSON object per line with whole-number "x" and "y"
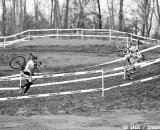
{"x": 141, "y": 96}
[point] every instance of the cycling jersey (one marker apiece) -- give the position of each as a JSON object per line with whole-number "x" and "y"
{"x": 134, "y": 49}
{"x": 29, "y": 67}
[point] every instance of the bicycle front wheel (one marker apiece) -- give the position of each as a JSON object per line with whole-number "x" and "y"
{"x": 121, "y": 42}
{"x": 129, "y": 67}
{"x": 17, "y": 62}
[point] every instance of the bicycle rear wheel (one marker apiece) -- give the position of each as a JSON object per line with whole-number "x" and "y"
{"x": 17, "y": 62}
{"x": 129, "y": 67}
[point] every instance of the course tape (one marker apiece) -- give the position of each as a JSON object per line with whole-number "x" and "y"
{"x": 65, "y": 82}
{"x": 80, "y": 91}
{"x": 17, "y": 77}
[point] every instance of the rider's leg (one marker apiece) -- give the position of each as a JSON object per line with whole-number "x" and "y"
{"x": 128, "y": 75}
{"x": 28, "y": 83}
{"x": 27, "y": 87}
{"x": 128, "y": 72}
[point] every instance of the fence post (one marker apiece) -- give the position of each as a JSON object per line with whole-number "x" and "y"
{"x": 127, "y": 41}
{"x": 20, "y": 82}
{"x": 102, "y": 83}
{"x": 4, "y": 44}
{"x": 57, "y": 33}
{"x": 131, "y": 37}
{"x": 125, "y": 73}
{"x": 29, "y": 34}
{"x": 110, "y": 38}
{"x": 81, "y": 33}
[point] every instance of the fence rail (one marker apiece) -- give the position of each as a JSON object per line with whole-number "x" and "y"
{"x": 104, "y": 34}
{"x": 81, "y": 91}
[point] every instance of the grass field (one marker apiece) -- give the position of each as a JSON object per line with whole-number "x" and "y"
{"x": 137, "y": 104}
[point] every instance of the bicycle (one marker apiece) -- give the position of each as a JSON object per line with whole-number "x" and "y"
{"x": 123, "y": 43}
{"x": 19, "y": 63}
{"x": 130, "y": 66}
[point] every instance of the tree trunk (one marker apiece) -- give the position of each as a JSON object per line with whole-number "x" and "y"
{"x": 21, "y": 16}
{"x": 66, "y": 15}
{"x": 158, "y": 11}
{"x": 25, "y": 14}
{"x": 13, "y": 22}
{"x": 111, "y": 14}
{"x": 81, "y": 18}
{"x": 36, "y": 13}
{"x": 57, "y": 18}
{"x": 4, "y": 19}
{"x": 51, "y": 17}
{"x": 121, "y": 17}
{"x": 113, "y": 22}
{"x": 158, "y": 17}
{"x": 17, "y": 16}
{"x": 99, "y": 15}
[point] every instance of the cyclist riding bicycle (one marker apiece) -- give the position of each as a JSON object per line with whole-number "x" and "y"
{"x": 29, "y": 70}
{"x": 132, "y": 56}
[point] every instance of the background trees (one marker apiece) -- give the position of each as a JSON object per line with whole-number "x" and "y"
{"x": 136, "y": 16}
{"x": 4, "y": 18}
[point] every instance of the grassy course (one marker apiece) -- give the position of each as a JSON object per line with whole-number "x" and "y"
{"x": 73, "y": 55}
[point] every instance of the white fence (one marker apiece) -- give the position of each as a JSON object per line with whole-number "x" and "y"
{"x": 143, "y": 64}
{"x": 77, "y": 33}
{"x": 81, "y": 91}
{"x": 74, "y": 33}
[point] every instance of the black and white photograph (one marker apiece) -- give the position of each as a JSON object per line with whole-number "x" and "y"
{"x": 79, "y": 64}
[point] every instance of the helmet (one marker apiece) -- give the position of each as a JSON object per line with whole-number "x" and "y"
{"x": 34, "y": 57}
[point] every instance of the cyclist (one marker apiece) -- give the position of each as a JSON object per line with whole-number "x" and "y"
{"x": 132, "y": 56}
{"x": 29, "y": 71}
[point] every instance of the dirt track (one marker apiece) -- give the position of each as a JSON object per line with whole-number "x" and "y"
{"x": 111, "y": 120}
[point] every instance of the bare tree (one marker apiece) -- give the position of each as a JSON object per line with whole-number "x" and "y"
{"x": 36, "y": 10}
{"x": 157, "y": 11}
{"x": 4, "y": 19}
{"x": 99, "y": 14}
{"x": 25, "y": 15}
{"x": 21, "y": 16}
{"x": 111, "y": 14}
{"x": 121, "y": 17}
{"x": 13, "y": 14}
{"x": 51, "y": 16}
{"x": 66, "y": 14}
{"x": 146, "y": 9}
{"x": 57, "y": 17}
{"x": 81, "y": 16}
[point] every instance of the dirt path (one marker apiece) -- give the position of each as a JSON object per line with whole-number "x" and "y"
{"x": 63, "y": 122}
{"x": 111, "y": 120}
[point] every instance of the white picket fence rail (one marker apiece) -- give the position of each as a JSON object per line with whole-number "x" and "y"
{"x": 105, "y": 34}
